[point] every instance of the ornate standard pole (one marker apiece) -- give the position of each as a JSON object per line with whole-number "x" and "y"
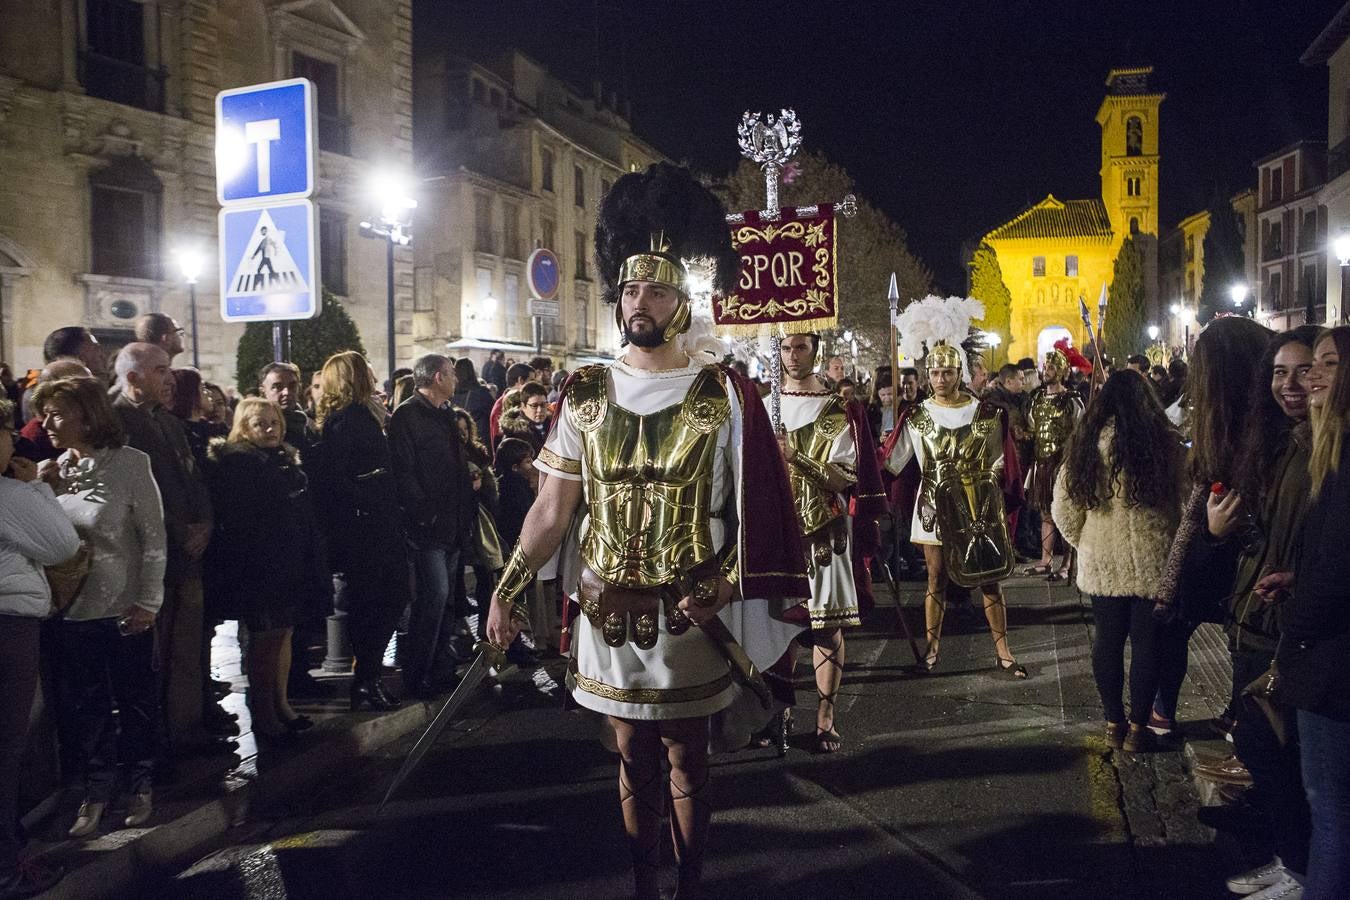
{"x": 770, "y": 142}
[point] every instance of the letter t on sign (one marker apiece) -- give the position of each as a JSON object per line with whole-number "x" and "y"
{"x": 263, "y": 133}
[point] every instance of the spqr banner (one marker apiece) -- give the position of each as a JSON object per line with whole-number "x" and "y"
{"x": 788, "y": 280}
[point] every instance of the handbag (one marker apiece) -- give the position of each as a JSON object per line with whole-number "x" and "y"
{"x": 66, "y": 579}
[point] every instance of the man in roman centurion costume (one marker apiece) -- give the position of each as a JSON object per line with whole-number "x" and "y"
{"x": 966, "y": 467}
{"x": 820, "y": 441}
{"x": 1052, "y": 414}
{"x": 673, "y": 468}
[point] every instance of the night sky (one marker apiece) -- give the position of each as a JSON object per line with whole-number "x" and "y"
{"x": 951, "y": 116}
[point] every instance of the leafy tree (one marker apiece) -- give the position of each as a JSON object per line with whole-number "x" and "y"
{"x": 312, "y": 342}
{"x": 1125, "y": 313}
{"x": 986, "y": 285}
{"x": 1223, "y": 259}
{"x": 870, "y": 248}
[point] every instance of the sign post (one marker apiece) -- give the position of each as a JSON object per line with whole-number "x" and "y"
{"x": 543, "y": 275}
{"x": 266, "y": 173}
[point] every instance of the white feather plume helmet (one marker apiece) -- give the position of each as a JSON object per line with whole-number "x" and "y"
{"x": 924, "y": 324}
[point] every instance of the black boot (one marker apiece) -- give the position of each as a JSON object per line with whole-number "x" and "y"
{"x": 370, "y": 692}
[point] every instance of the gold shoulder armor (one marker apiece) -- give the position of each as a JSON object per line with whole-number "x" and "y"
{"x": 833, "y": 419}
{"x": 706, "y": 406}
{"x": 588, "y": 398}
{"x": 923, "y": 423}
{"x": 986, "y": 419}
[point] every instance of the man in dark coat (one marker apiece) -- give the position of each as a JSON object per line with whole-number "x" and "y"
{"x": 280, "y": 383}
{"x": 436, "y": 494}
{"x": 144, "y": 380}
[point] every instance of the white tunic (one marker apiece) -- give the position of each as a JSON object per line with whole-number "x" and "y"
{"x": 682, "y": 676}
{"x": 834, "y": 597}
{"x": 909, "y": 445}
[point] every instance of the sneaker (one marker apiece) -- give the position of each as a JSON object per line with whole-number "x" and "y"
{"x": 1287, "y": 888}
{"x": 138, "y": 813}
{"x": 1261, "y": 877}
{"x": 87, "y": 819}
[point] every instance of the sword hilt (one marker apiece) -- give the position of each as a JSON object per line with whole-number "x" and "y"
{"x": 495, "y": 651}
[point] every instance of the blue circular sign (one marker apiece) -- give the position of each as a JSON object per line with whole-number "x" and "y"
{"x": 543, "y": 274}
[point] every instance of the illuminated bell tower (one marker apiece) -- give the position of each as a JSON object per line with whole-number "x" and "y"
{"x": 1129, "y": 120}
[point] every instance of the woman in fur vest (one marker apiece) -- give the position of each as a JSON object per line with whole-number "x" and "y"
{"x": 265, "y": 565}
{"x": 1117, "y": 500}
{"x": 529, "y": 420}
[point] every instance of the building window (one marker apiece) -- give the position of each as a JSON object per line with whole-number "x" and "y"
{"x": 482, "y": 223}
{"x": 1134, "y": 224}
{"x": 1038, "y": 267}
{"x": 1071, "y": 266}
{"x": 483, "y": 282}
{"x": 332, "y": 125}
{"x": 1274, "y": 247}
{"x": 580, "y": 177}
{"x": 479, "y": 91}
{"x": 1134, "y": 136}
{"x": 548, "y": 234}
{"x": 546, "y": 168}
{"x": 1308, "y": 295}
{"x": 495, "y": 99}
{"x": 1276, "y": 186}
{"x": 581, "y": 254}
{"x": 113, "y": 63}
{"x": 333, "y": 250}
{"x": 511, "y": 232}
{"x": 583, "y": 308}
{"x": 1307, "y": 232}
{"x": 1275, "y": 291}
{"x": 124, "y": 202}
{"x": 1190, "y": 247}
{"x": 1134, "y": 186}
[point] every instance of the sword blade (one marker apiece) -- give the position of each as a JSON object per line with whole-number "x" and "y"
{"x": 473, "y": 676}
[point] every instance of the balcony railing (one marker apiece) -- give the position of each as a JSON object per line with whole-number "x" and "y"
{"x": 122, "y": 82}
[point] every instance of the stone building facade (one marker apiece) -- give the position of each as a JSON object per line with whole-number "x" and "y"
{"x": 512, "y": 158}
{"x": 107, "y": 144}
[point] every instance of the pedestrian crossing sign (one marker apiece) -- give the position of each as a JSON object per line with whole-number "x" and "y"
{"x": 269, "y": 265}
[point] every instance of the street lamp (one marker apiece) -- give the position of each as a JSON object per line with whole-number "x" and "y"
{"x": 390, "y": 193}
{"x": 190, "y": 261}
{"x": 1239, "y": 294}
{"x": 1153, "y": 332}
{"x": 1341, "y": 247}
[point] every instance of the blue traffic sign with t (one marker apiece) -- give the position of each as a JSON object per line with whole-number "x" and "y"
{"x": 269, "y": 262}
{"x": 265, "y": 142}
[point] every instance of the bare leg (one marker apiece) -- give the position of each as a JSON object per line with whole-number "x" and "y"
{"x": 686, "y": 742}
{"x": 934, "y": 600}
{"x": 1047, "y": 541}
{"x": 283, "y": 657}
{"x": 641, "y": 798}
{"x": 996, "y": 611}
{"x": 262, "y": 677}
{"x": 828, "y": 660}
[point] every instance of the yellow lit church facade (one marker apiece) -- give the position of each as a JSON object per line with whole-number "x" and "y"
{"x": 1057, "y": 251}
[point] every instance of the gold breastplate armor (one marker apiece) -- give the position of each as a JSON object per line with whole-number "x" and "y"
{"x": 819, "y": 511}
{"x": 648, "y": 481}
{"x": 1052, "y": 418}
{"x": 961, "y": 497}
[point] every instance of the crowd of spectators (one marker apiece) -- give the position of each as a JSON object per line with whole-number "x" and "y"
{"x": 142, "y": 506}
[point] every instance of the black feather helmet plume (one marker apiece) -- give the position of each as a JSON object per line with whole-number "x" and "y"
{"x": 661, "y": 216}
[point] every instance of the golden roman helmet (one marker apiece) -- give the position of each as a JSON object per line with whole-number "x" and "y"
{"x": 658, "y": 267}
{"x": 1055, "y": 357}
{"x": 943, "y": 356}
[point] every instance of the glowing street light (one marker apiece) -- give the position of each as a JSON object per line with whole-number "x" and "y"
{"x": 1185, "y": 315}
{"x": 1341, "y": 247}
{"x": 390, "y": 194}
{"x": 1153, "y": 332}
{"x": 190, "y": 261}
{"x": 1239, "y": 294}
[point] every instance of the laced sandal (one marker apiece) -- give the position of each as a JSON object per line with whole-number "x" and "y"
{"x": 1011, "y": 668}
{"x": 1115, "y": 735}
{"x": 828, "y": 740}
{"x": 1038, "y": 569}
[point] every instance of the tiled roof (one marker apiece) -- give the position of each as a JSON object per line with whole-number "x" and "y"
{"x": 1053, "y": 218}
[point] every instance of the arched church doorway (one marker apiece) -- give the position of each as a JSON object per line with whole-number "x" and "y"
{"x": 1047, "y": 339}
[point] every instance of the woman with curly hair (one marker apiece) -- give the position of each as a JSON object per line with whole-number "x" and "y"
{"x": 1117, "y": 499}
{"x": 359, "y": 511}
